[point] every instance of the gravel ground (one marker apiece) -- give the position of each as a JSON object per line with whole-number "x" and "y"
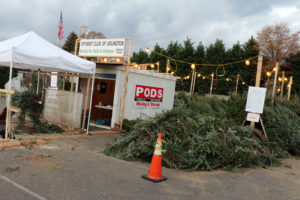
{"x": 77, "y": 169}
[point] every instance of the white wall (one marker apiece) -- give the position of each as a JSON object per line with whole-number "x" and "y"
{"x": 147, "y": 78}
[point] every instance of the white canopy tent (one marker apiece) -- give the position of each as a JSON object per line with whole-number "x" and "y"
{"x": 30, "y": 51}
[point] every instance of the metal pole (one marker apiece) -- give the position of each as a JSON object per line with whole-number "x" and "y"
{"x": 90, "y": 109}
{"x": 275, "y": 82}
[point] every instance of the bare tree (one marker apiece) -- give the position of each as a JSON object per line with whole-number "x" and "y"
{"x": 276, "y": 42}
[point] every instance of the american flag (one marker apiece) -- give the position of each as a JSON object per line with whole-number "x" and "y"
{"x": 60, "y": 28}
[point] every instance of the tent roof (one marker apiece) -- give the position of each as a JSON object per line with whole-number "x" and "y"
{"x": 30, "y": 51}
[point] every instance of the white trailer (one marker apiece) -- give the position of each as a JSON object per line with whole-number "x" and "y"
{"x": 148, "y": 93}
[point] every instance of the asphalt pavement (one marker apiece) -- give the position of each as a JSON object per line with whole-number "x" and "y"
{"x": 77, "y": 169}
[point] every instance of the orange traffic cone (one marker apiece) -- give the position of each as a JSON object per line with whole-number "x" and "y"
{"x": 154, "y": 174}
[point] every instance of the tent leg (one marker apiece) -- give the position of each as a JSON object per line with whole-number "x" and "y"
{"x": 38, "y": 83}
{"x": 8, "y": 102}
{"x": 90, "y": 109}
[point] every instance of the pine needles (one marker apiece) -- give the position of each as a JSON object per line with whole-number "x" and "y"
{"x": 29, "y": 104}
{"x": 205, "y": 134}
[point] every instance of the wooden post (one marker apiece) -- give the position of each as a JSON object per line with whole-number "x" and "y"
{"x": 258, "y": 76}
{"x": 124, "y": 95}
{"x": 211, "y": 83}
{"x": 72, "y": 82}
{"x": 275, "y": 82}
{"x": 64, "y": 83}
{"x": 290, "y": 88}
{"x": 168, "y": 66}
{"x": 192, "y": 82}
{"x": 258, "y": 72}
{"x": 237, "y": 83}
{"x": 282, "y": 86}
{"x": 76, "y": 47}
{"x": 130, "y": 49}
{"x": 86, "y": 101}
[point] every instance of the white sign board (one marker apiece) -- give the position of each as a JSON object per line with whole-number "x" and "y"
{"x": 102, "y": 47}
{"x": 53, "y": 83}
{"x": 256, "y": 99}
{"x": 253, "y": 117}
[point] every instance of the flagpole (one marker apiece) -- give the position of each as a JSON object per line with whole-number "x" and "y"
{"x": 57, "y": 42}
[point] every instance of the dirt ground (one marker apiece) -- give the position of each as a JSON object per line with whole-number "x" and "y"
{"x": 77, "y": 169}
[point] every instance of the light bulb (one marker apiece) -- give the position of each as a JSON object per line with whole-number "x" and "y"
{"x": 247, "y": 62}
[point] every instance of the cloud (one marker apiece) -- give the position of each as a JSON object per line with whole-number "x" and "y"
{"x": 149, "y": 22}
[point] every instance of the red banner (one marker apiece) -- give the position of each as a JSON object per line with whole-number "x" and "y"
{"x": 147, "y": 93}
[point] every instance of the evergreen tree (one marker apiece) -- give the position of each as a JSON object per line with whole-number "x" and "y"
{"x": 213, "y": 54}
{"x": 155, "y": 57}
{"x": 4, "y": 75}
{"x": 293, "y": 64}
{"x": 140, "y": 57}
{"x": 70, "y": 43}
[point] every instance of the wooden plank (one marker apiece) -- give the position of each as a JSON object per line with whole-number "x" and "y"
{"x": 7, "y": 91}
{"x": 67, "y": 75}
{"x": 263, "y": 127}
{"x": 86, "y": 102}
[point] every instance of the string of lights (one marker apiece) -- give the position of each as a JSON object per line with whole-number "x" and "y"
{"x": 215, "y": 75}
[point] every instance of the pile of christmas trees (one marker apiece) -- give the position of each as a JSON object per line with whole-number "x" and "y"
{"x": 205, "y": 133}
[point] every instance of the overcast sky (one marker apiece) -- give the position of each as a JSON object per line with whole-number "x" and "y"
{"x": 149, "y": 21}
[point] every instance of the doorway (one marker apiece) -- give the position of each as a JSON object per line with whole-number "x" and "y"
{"x": 102, "y": 103}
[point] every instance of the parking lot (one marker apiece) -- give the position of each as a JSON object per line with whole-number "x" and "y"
{"x": 77, "y": 169}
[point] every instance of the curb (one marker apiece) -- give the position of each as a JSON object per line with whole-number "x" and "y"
{"x": 18, "y": 143}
